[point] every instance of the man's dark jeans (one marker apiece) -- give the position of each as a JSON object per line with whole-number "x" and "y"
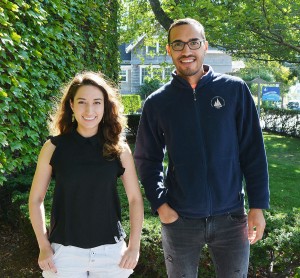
{"x": 225, "y": 235}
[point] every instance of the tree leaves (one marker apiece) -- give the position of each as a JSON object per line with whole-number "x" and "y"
{"x": 259, "y": 29}
{"x": 42, "y": 45}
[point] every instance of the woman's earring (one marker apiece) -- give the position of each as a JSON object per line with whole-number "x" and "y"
{"x": 73, "y": 118}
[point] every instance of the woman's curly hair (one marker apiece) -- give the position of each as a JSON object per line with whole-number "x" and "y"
{"x": 112, "y": 125}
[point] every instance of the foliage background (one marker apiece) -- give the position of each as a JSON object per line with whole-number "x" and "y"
{"x": 132, "y": 103}
{"x": 262, "y": 29}
{"x": 42, "y": 45}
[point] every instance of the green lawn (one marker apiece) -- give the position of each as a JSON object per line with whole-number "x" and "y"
{"x": 284, "y": 170}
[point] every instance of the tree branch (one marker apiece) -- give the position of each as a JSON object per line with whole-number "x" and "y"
{"x": 276, "y": 36}
{"x": 279, "y": 40}
{"x": 160, "y": 15}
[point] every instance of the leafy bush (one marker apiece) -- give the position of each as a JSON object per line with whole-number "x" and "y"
{"x": 286, "y": 122}
{"x": 149, "y": 86}
{"x": 43, "y": 44}
{"x": 132, "y": 103}
{"x": 279, "y": 252}
{"x": 276, "y": 255}
{"x": 133, "y": 121}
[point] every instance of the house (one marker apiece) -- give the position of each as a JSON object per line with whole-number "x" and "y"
{"x": 139, "y": 61}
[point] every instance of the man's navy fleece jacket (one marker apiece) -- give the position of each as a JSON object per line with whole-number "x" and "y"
{"x": 213, "y": 140}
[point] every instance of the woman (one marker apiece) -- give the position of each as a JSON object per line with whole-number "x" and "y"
{"x": 86, "y": 158}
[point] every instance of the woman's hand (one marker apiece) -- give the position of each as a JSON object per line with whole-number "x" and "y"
{"x": 46, "y": 259}
{"x": 130, "y": 258}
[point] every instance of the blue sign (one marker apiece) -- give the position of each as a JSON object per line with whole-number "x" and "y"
{"x": 271, "y": 93}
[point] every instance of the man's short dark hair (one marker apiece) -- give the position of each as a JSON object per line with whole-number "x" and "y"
{"x": 186, "y": 21}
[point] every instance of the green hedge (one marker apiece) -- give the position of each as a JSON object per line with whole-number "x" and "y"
{"x": 133, "y": 121}
{"x": 285, "y": 122}
{"x": 278, "y": 254}
{"x": 43, "y": 44}
{"x": 282, "y": 121}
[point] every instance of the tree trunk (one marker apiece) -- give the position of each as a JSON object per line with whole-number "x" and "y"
{"x": 160, "y": 15}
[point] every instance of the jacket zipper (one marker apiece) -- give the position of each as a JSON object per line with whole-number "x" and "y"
{"x": 205, "y": 166}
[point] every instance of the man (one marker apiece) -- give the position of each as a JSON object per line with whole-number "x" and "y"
{"x": 208, "y": 124}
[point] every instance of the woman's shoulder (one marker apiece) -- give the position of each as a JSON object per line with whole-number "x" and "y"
{"x": 58, "y": 139}
{"x": 126, "y": 154}
{"x": 47, "y": 149}
{"x": 125, "y": 150}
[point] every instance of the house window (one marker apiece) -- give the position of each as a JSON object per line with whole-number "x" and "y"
{"x": 154, "y": 49}
{"x": 156, "y": 72}
{"x": 123, "y": 75}
{"x": 163, "y": 74}
{"x": 143, "y": 73}
{"x": 167, "y": 73}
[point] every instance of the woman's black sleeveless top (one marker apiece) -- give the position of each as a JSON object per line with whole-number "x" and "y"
{"x": 86, "y": 210}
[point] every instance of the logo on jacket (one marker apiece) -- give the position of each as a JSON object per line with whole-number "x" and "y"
{"x": 217, "y": 102}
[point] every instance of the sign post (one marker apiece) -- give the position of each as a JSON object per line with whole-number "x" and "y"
{"x": 260, "y": 81}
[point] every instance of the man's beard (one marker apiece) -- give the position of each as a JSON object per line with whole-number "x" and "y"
{"x": 188, "y": 72}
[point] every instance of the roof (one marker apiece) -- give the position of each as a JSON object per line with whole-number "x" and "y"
{"x": 130, "y": 47}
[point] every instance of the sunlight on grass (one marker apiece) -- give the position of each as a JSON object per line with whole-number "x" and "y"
{"x": 278, "y": 145}
{"x": 284, "y": 170}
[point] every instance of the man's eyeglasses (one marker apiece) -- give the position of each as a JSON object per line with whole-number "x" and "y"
{"x": 193, "y": 45}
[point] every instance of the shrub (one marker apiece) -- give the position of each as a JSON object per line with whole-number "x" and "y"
{"x": 279, "y": 251}
{"x": 285, "y": 122}
{"x": 132, "y": 125}
{"x": 132, "y": 103}
{"x": 149, "y": 86}
{"x": 277, "y": 254}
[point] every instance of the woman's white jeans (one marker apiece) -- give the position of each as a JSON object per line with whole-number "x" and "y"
{"x": 102, "y": 261}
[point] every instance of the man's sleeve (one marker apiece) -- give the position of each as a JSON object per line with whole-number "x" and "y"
{"x": 252, "y": 153}
{"x": 148, "y": 155}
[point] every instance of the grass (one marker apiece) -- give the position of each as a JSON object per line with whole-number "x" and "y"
{"x": 284, "y": 170}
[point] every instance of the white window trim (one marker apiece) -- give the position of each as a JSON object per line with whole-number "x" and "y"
{"x": 156, "y": 50}
{"x": 152, "y": 66}
{"x": 126, "y": 69}
{"x": 147, "y": 66}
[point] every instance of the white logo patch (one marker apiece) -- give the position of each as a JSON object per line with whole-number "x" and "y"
{"x": 217, "y": 102}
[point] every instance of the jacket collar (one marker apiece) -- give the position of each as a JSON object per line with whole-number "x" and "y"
{"x": 180, "y": 82}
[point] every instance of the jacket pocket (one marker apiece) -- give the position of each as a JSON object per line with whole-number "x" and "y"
{"x": 238, "y": 217}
